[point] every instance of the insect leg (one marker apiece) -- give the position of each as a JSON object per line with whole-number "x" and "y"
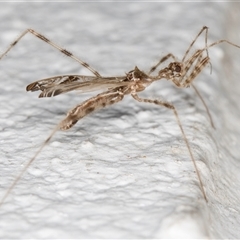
{"x": 171, "y": 106}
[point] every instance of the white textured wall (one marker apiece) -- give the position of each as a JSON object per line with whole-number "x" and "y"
{"x": 123, "y": 172}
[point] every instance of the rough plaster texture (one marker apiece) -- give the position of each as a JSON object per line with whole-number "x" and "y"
{"x": 123, "y": 172}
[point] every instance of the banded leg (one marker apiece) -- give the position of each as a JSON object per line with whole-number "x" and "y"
{"x": 163, "y": 59}
{"x": 195, "y": 59}
{"x": 95, "y": 103}
{"x": 171, "y": 106}
{"x": 46, "y": 40}
{"x": 191, "y": 45}
{"x": 196, "y": 70}
{"x": 189, "y": 79}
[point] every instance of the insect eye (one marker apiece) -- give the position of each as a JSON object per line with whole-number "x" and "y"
{"x": 178, "y": 68}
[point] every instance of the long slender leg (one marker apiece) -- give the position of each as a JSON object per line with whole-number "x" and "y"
{"x": 206, "y": 45}
{"x": 163, "y": 59}
{"x": 221, "y": 41}
{"x": 171, "y": 106}
{"x": 64, "y": 51}
{"x": 191, "y": 45}
{"x": 189, "y": 79}
{"x": 188, "y": 50}
{"x": 196, "y": 57}
{"x": 93, "y": 104}
{"x": 205, "y": 105}
{"x": 196, "y": 70}
{"x": 27, "y": 165}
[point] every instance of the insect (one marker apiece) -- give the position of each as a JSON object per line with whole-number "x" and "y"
{"x": 180, "y": 73}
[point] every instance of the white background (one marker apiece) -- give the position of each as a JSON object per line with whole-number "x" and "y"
{"x": 123, "y": 172}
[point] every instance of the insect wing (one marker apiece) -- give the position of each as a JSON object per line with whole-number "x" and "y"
{"x": 61, "y": 84}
